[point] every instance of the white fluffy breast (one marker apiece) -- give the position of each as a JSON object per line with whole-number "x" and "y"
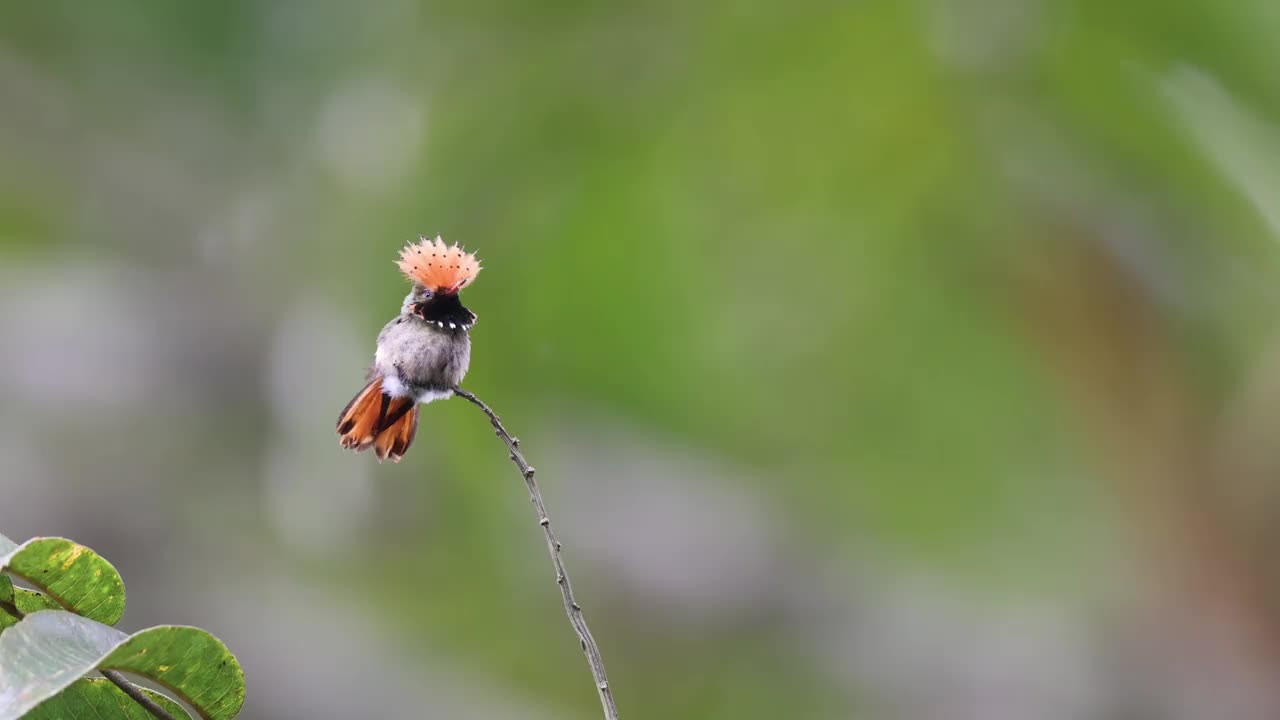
{"x": 427, "y": 396}
{"x": 394, "y": 387}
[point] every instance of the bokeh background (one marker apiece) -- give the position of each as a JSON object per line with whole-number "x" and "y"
{"x": 879, "y": 359}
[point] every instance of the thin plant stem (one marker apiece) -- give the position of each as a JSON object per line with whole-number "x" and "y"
{"x": 136, "y": 693}
{"x": 571, "y": 606}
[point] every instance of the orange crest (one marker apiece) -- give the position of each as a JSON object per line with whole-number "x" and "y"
{"x": 438, "y": 267}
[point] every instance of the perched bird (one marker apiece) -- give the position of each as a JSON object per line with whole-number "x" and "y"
{"x": 422, "y": 354}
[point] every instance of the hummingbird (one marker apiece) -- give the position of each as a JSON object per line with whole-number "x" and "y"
{"x": 422, "y": 354}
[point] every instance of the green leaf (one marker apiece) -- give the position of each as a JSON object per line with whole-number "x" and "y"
{"x": 99, "y": 699}
{"x": 24, "y": 603}
{"x": 29, "y": 601}
{"x": 7, "y": 618}
{"x": 189, "y": 661}
{"x": 6, "y": 585}
{"x": 24, "y": 600}
{"x": 47, "y": 651}
{"x": 76, "y": 577}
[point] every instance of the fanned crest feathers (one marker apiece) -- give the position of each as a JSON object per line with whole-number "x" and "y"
{"x": 438, "y": 267}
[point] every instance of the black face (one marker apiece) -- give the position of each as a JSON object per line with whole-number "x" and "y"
{"x": 445, "y": 311}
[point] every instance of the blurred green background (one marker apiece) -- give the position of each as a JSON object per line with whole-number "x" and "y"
{"x": 879, "y": 360}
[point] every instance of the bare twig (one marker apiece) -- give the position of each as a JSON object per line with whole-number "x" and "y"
{"x": 571, "y": 606}
{"x": 116, "y": 678}
{"x": 136, "y": 693}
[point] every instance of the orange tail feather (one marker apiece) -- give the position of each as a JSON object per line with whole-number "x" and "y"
{"x": 376, "y": 420}
{"x": 398, "y": 434}
{"x": 360, "y": 419}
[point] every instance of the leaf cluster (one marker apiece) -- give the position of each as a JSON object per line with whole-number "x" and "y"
{"x": 57, "y": 637}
